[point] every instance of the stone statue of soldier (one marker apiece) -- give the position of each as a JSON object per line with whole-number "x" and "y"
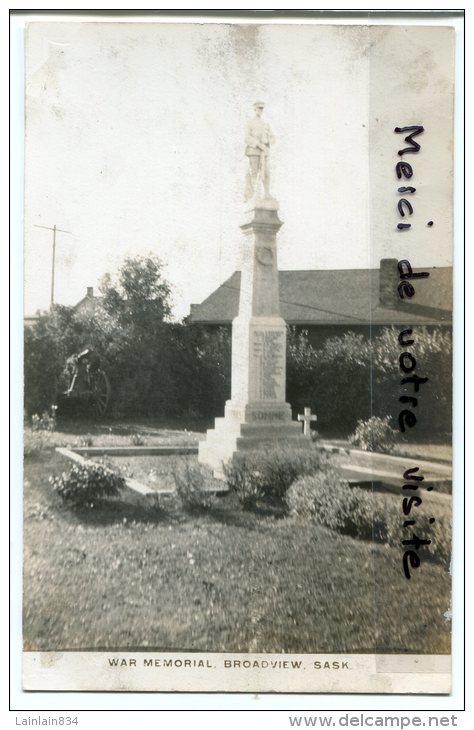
{"x": 258, "y": 139}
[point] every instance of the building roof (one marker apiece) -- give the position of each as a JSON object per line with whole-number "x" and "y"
{"x": 339, "y": 297}
{"x": 30, "y": 319}
{"x": 89, "y": 302}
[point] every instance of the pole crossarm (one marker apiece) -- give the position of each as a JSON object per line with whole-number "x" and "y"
{"x": 53, "y": 228}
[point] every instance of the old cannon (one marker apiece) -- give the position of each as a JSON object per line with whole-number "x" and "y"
{"x": 87, "y": 385}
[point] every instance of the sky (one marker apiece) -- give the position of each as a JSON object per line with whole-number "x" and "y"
{"x": 135, "y": 144}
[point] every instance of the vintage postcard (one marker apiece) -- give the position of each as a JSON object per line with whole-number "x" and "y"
{"x": 238, "y": 357}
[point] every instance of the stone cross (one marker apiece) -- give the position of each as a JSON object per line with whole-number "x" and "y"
{"x": 307, "y": 418}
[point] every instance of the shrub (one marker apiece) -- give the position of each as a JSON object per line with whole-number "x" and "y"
{"x": 440, "y": 533}
{"x": 375, "y": 434}
{"x": 46, "y": 422}
{"x": 137, "y": 439}
{"x": 441, "y": 540}
{"x": 244, "y": 479}
{"x": 333, "y": 379}
{"x": 269, "y": 473}
{"x": 366, "y": 515}
{"x": 87, "y": 484}
{"x": 33, "y": 442}
{"x": 191, "y": 486}
{"x": 329, "y": 500}
{"x": 36, "y": 441}
{"x": 301, "y": 496}
{"x": 432, "y": 349}
{"x": 355, "y": 376}
{"x": 156, "y": 367}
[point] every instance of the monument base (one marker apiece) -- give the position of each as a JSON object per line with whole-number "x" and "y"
{"x": 249, "y": 428}
{"x": 256, "y": 418}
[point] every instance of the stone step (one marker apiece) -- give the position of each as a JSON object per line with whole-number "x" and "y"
{"x": 227, "y": 429}
{"x": 214, "y": 452}
{"x": 218, "y": 439}
{"x": 256, "y": 443}
{"x": 220, "y": 447}
{"x": 271, "y": 430}
{"x": 226, "y": 425}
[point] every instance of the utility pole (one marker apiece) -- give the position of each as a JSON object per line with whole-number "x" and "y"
{"x": 54, "y": 229}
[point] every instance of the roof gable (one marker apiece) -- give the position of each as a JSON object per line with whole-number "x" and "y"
{"x": 344, "y": 297}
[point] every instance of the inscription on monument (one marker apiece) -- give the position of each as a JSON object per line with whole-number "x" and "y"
{"x": 268, "y": 352}
{"x": 267, "y": 416}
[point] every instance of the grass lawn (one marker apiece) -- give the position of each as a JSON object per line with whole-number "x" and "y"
{"x": 156, "y": 472}
{"x": 74, "y": 433}
{"x": 442, "y": 452}
{"x": 436, "y": 452}
{"x": 138, "y": 576}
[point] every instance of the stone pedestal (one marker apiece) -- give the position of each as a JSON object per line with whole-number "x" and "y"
{"x": 257, "y": 416}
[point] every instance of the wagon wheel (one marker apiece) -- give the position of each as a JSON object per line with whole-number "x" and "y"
{"x": 100, "y": 397}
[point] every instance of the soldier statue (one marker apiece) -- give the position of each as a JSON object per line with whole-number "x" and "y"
{"x": 258, "y": 139}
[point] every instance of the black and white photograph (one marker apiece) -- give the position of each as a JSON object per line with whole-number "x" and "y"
{"x": 238, "y": 362}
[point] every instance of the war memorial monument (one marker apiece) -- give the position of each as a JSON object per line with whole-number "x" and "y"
{"x": 257, "y": 415}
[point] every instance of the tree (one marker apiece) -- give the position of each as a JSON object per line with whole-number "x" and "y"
{"x": 46, "y": 345}
{"x": 137, "y": 299}
{"x": 160, "y": 368}
{"x": 352, "y": 378}
{"x": 156, "y": 367}
{"x": 333, "y": 379}
{"x": 126, "y": 329}
{"x": 138, "y": 296}
{"x": 432, "y": 350}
